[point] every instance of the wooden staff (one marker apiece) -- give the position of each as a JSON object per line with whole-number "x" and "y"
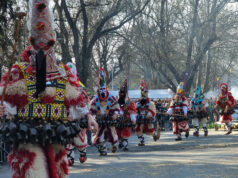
{"x": 20, "y": 16}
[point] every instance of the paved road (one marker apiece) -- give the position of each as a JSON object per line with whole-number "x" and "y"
{"x": 211, "y": 157}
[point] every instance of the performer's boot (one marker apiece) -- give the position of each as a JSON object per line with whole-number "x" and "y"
{"x": 83, "y": 155}
{"x": 120, "y": 144}
{"x": 187, "y": 133}
{"x": 141, "y": 141}
{"x": 205, "y": 131}
{"x": 196, "y": 131}
{"x": 114, "y": 149}
{"x": 125, "y": 145}
{"x": 102, "y": 149}
{"x": 179, "y": 138}
{"x": 230, "y": 128}
{"x": 70, "y": 156}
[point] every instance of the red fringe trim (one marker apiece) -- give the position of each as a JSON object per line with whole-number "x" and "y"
{"x": 47, "y": 99}
{"x": 60, "y": 155}
{"x": 21, "y": 155}
{"x": 16, "y": 100}
{"x": 24, "y": 55}
{"x": 64, "y": 164}
{"x": 64, "y": 167}
{"x": 73, "y": 102}
{"x": 52, "y": 165}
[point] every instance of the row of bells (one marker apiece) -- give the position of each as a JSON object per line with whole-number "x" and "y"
{"x": 41, "y": 132}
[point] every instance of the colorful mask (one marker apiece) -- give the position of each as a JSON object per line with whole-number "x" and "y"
{"x": 224, "y": 89}
{"x": 102, "y": 85}
{"x": 180, "y": 89}
{"x": 144, "y": 89}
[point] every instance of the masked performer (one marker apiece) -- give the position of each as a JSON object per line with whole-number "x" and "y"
{"x": 80, "y": 141}
{"x": 225, "y": 102}
{"x": 178, "y": 110}
{"x": 127, "y": 117}
{"x": 145, "y": 116}
{"x": 199, "y": 112}
{"x": 106, "y": 109}
{"x": 42, "y": 104}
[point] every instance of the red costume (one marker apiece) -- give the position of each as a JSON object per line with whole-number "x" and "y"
{"x": 178, "y": 109}
{"x": 128, "y": 117}
{"x": 225, "y": 102}
{"x": 145, "y": 116}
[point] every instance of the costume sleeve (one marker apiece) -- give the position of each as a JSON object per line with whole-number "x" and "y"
{"x": 78, "y": 111}
{"x": 115, "y": 108}
{"x": 132, "y": 108}
{"x": 152, "y": 109}
{"x": 93, "y": 107}
{"x": 16, "y": 92}
{"x": 171, "y": 108}
{"x": 231, "y": 99}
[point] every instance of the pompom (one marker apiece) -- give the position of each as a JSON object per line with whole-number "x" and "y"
{"x": 51, "y": 42}
{"x": 40, "y": 7}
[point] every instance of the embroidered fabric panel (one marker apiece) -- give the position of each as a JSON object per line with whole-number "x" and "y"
{"x": 142, "y": 110}
{"x": 37, "y": 110}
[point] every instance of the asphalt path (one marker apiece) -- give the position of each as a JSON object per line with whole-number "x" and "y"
{"x": 214, "y": 156}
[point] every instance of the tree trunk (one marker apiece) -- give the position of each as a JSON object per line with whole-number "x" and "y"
{"x": 208, "y": 70}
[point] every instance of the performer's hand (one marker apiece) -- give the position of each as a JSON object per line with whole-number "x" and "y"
{"x": 114, "y": 117}
{"x": 70, "y": 117}
{"x": 92, "y": 124}
{"x": 2, "y": 110}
